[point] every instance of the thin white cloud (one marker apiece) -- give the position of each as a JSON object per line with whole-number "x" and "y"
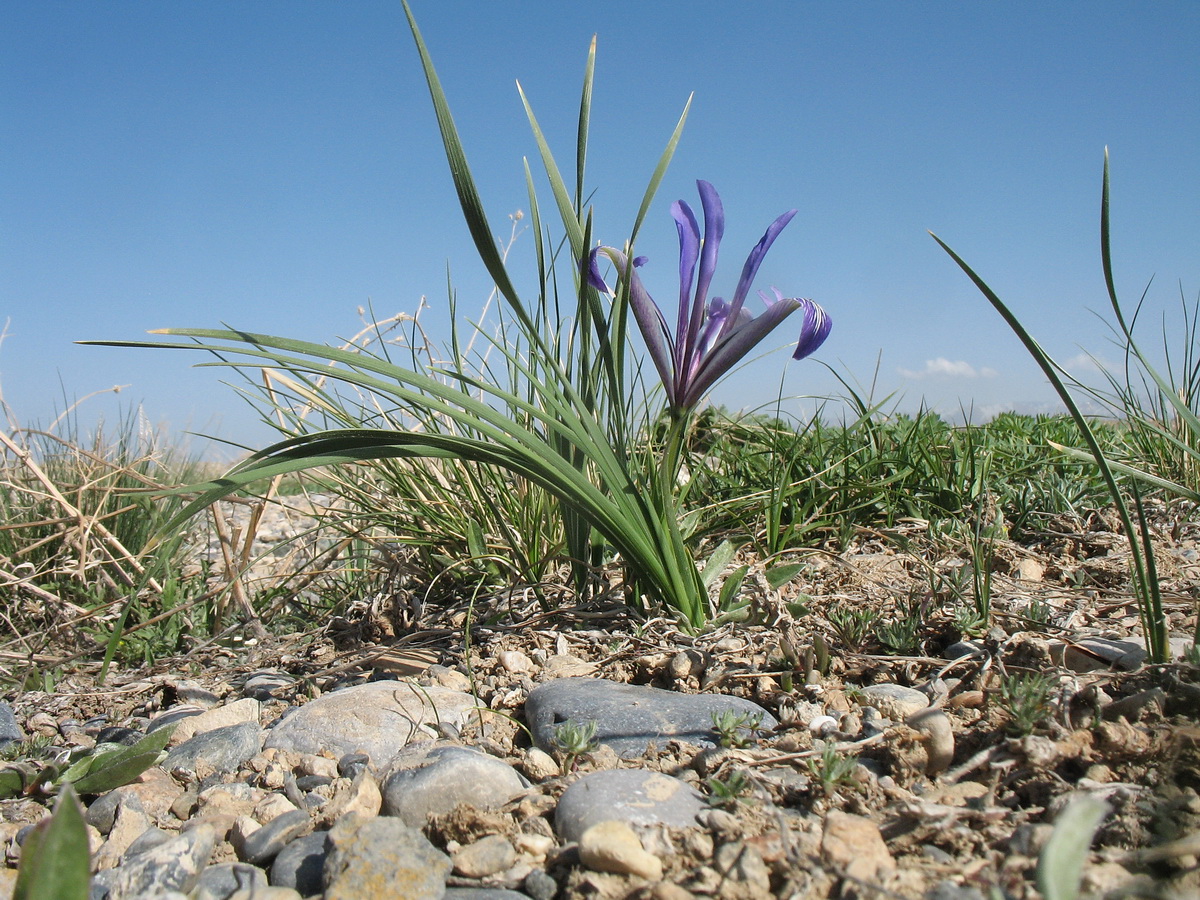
{"x": 945, "y": 368}
{"x": 1085, "y": 362}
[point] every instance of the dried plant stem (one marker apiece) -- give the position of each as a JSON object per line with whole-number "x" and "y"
{"x": 85, "y": 524}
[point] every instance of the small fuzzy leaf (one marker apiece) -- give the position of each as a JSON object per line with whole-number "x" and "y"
{"x": 731, "y": 587}
{"x": 12, "y": 782}
{"x": 778, "y": 576}
{"x": 720, "y": 558}
{"x": 55, "y": 861}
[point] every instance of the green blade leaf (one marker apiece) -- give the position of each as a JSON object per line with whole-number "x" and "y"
{"x": 55, "y": 860}
{"x": 1060, "y": 866}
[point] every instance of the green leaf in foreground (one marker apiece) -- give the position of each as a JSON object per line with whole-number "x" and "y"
{"x": 55, "y": 861}
{"x": 1060, "y": 867}
{"x": 121, "y": 765}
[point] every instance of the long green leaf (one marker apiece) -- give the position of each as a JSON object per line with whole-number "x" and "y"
{"x": 55, "y": 860}
{"x": 1153, "y": 619}
{"x": 460, "y": 172}
{"x": 1060, "y": 865}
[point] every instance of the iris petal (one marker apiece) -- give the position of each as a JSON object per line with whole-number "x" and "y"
{"x": 710, "y": 337}
{"x": 813, "y": 332}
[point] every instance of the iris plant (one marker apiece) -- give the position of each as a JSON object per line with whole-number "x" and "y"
{"x": 711, "y": 335}
{"x": 564, "y": 421}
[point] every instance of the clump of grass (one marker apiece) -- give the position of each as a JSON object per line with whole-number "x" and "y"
{"x": 79, "y": 517}
{"x": 734, "y": 728}
{"x": 1025, "y": 697}
{"x": 731, "y": 791}
{"x": 832, "y": 769}
{"x": 1172, "y": 399}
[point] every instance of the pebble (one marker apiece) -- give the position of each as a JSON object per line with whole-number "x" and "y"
{"x": 630, "y": 717}
{"x": 743, "y": 863}
{"x": 432, "y": 779}
{"x": 226, "y": 879}
{"x": 634, "y": 796}
{"x": 384, "y": 859}
{"x": 894, "y": 701}
{"x": 10, "y": 731}
{"x": 174, "y": 865}
{"x": 938, "y": 738}
{"x": 854, "y": 844}
{"x": 174, "y": 716}
{"x": 222, "y": 749}
{"x": 379, "y": 718}
{"x": 539, "y": 885}
{"x": 964, "y": 650}
{"x": 267, "y": 684}
{"x": 612, "y": 846}
{"x": 246, "y": 710}
{"x": 823, "y": 725}
{"x": 1090, "y": 654}
{"x": 301, "y": 864}
{"x": 117, "y": 735}
{"x": 264, "y": 844}
{"x": 484, "y": 857}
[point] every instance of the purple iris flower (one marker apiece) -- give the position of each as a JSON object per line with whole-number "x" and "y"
{"x": 711, "y": 335}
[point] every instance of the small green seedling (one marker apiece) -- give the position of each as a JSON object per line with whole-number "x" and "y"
{"x": 735, "y": 729}
{"x": 852, "y": 625}
{"x": 1026, "y": 699}
{"x": 574, "y": 740}
{"x": 832, "y": 769}
{"x": 730, "y": 791}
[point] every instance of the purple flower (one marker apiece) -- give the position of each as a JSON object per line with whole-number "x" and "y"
{"x": 711, "y": 335}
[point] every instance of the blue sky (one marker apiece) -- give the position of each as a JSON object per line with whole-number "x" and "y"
{"x": 275, "y": 166}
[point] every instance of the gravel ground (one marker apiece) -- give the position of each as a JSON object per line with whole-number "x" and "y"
{"x": 940, "y": 796}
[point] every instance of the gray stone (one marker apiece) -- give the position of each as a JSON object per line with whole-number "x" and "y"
{"x": 379, "y": 718}
{"x": 432, "y": 779}
{"x": 948, "y": 890}
{"x": 964, "y": 650}
{"x": 173, "y": 866}
{"x": 539, "y": 885}
{"x": 146, "y": 841}
{"x": 220, "y": 881}
{"x": 266, "y": 685}
{"x": 1090, "y": 654}
{"x": 224, "y": 749}
{"x": 353, "y": 764}
{"x": 103, "y": 811}
{"x": 115, "y": 734}
{"x": 9, "y": 729}
{"x": 383, "y": 859}
{"x": 193, "y": 693}
{"x": 172, "y": 716}
{"x": 634, "y": 796}
{"x": 486, "y": 856}
{"x": 894, "y": 700}
{"x": 301, "y": 864}
{"x": 264, "y": 844}
{"x": 482, "y": 893}
{"x": 630, "y": 717}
